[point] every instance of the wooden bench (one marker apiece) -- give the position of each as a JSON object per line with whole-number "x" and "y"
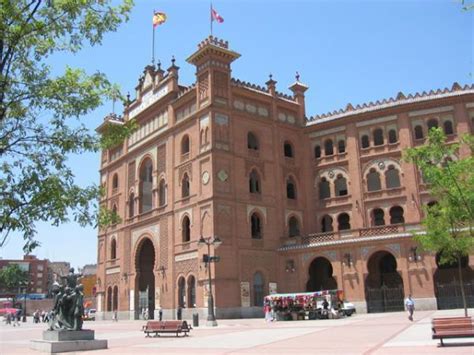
{"x": 454, "y": 327}
{"x": 166, "y": 326}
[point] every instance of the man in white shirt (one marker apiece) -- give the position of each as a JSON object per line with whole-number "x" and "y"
{"x": 410, "y": 306}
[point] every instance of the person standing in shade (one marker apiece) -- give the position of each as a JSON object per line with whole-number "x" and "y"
{"x": 179, "y": 312}
{"x": 410, "y": 306}
{"x": 160, "y": 314}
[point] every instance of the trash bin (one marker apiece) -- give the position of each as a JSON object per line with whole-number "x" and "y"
{"x": 196, "y": 320}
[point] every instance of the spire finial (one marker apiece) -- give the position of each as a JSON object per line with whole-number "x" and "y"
{"x": 159, "y": 64}
{"x": 173, "y": 60}
{"x": 128, "y": 98}
{"x": 270, "y": 76}
{"x": 297, "y": 76}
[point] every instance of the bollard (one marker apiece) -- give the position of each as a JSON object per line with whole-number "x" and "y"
{"x": 195, "y": 320}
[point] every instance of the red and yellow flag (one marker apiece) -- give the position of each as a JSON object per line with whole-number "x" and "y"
{"x": 158, "y": 19}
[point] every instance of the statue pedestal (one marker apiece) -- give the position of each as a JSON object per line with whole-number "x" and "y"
{"x": 59, "y": 341}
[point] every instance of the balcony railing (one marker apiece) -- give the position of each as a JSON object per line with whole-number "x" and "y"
{"x": 349, "y": 234}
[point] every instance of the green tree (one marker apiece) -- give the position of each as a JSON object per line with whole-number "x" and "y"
{"x": 12, "y": 277}
{"x": 42, "y": 114}
{"x": 449, "y": 223}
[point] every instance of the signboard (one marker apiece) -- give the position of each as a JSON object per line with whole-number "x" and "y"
{"x": 148, "y": 99}
{"x": 245, "y": 293}
{"x": 272, "y": 288}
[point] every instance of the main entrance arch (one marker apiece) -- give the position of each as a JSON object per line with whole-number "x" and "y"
{"x": 447, "y": 284}
{"x": 383, "y": 284}
{"x": 320, "y": 276}
{"x": 145, "y": 282}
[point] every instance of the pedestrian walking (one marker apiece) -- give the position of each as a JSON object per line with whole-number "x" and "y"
{"x": 410, "y": 307}
{"x": 160, "y": 314}
{"x": 115, "y": 316}
{"x": 16, "y": 319}
{"x": 8, "y": 319}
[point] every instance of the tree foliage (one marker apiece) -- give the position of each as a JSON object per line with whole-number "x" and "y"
{"x": 41, "y": 112}
{"x": 450, "y": 179}
{"x": 12, "y": 277}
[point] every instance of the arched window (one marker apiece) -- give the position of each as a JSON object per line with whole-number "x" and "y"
{"x": 191, "y": 291}
{"x": 317, "y": 151}
{"x": 252, "y": 141}
{"x": 373, "y": 180}
{"x": 340, "y": 185}
{"x": 364, "y": 141}
{"x": 341, "y": 146}
{"x": 432, "y": 123}
{"x": 378, "y": 217}
{"x": 131, "y": 205}
{"x": 392, "y": 179}
{"x": 378, "y": 136}
{"x": 256, "y": 226}
{"x": 343, "y": 221}
{"x": 146, "y": 185}
{"x": 185, "y": 145}
{"x": 326, "y": 224}
{"x": 115, "y": 182}
{"x": 181, "y": 292}
{"x": 115, "y": 299}
{"x": 254, "y": 182}
{"x": 114, "y": 209}
{"x": 290, "y": 189}
{"x": 396, "y": 215}
{"x": 448, "y": 127}
{"x": 113, "y": 249}
{"x": 328, "y": 147}
{"x": 418, "y": 132}
{"x": 258, "y": 291}
{"x": 186, "y": 229}
{"x": 392, "y": 136}
{"x": 288, "y": 150}
{"x": 109, "y": 299}
{"x": 185, "y": 186}
{"x": 324, "y": 190}
{"x": 162, "y": 193}
{"x": 293, "y": 227}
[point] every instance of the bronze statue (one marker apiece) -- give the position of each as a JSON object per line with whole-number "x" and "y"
{"x": 68, "y": 309}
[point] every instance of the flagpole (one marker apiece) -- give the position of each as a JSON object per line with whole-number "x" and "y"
{"x": 153, "y": 43}
{"x": 210, "y": 14}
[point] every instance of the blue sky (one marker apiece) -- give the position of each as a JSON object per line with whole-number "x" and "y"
{"x": 345, "y": 51}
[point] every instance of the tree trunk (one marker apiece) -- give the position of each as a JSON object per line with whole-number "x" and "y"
{"x": 461, "y": 281}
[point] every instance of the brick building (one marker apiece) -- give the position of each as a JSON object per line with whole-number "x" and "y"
{"x": 37, "y": 272}
{"x": 299, "y": 204}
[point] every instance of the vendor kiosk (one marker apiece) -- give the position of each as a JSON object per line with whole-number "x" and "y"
{"x": 307, "y": 305}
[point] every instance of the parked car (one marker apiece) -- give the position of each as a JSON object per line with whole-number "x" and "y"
{"x": 348, "y": 308}
{"x": 90, "y": 314}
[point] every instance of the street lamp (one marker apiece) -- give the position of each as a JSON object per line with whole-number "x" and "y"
{"x": 211, "y": 318}
{"x": 25, "y": 290}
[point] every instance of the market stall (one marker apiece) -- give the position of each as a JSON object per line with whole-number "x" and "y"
{"x": 306, "y": 305}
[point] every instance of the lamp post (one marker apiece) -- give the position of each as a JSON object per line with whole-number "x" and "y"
{"x": 211, "y": 318}
{"x": 25, "y": 290}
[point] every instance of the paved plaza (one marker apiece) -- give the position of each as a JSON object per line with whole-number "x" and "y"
{"x": 389, "y": 333}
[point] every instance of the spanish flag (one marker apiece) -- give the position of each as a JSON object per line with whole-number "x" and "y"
{"x": 158, "y": 18}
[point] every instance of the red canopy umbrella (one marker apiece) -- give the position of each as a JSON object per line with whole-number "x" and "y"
{"x": 8, "y": 310}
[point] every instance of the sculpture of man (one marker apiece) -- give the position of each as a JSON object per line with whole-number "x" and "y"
{"x": 79, "y": 307}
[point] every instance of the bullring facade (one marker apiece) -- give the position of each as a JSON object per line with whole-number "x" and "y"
{"x": 299, "y": 203}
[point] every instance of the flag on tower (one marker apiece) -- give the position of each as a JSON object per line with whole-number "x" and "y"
{"x": 158, "y": 18}
{"x": 216, "y": 17}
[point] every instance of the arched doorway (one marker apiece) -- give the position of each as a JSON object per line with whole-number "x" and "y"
{"x": 320, "y": 276}
{"x": 383, "y": 284}
{"x": 145, "y": 294}
{"x": 447, "y": 286}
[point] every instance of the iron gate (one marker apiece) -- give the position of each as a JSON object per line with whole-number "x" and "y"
{"x": 448, "y": 296}
{"x": 384, "y": 299}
